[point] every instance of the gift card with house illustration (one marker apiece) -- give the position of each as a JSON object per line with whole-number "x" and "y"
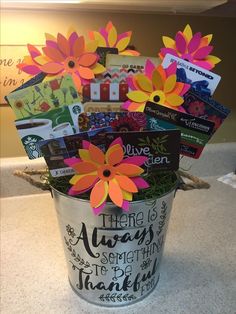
{"x": 195, "y": 132}
{"x": 200, "y": 79}
{"x": 43, "y": 97}
{"x": 161, "y": 147}
{"x": 118, "y": 121}
{"x": 56, "y": 150}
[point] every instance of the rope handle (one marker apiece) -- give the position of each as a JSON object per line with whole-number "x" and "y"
{"x": 196, "y": 183}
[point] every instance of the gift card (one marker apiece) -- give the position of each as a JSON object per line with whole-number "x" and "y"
{"x": 57, "y": 149}
{"x": 52, "y": 124}
{"x": 105, "y": 92}
{"x": 133, "y": 64}
{"x": 201, "y": 80}
{"x": 103, "y": 51}
{"x": 94, "y": 106}
{"x": 195, "y": 132}
{"x": 43, "y": 97}
{"x": 205, "y": 108}
{"x": 161, "y": 147}
{"x": 118, "y": 121}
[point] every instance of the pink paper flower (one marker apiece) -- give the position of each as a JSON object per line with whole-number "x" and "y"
{"x": 191, "y": 47}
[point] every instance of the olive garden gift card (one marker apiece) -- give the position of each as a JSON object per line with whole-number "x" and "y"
{"x": 161, "y": 147}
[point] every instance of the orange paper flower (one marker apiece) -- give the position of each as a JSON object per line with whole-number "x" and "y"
{"x": 106, "y": 175}
{"x": 191, "y": 47}
{"x": 108, "y": 37}
{"x": 157, "y": 85}
{"x": 62, "y": 56}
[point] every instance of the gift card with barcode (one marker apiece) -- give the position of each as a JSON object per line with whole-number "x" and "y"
{"x": 200, "y": 79}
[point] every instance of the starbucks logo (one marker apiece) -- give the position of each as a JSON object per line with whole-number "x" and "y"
{"x": 76, "y": 109}
{"x": 31, "y": 146}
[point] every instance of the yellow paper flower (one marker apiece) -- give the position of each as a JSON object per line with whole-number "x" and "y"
{"x": 108, "y": 37}
{"x": 157, "y": 85}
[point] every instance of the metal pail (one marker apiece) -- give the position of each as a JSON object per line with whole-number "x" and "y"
{"x": 114, "y": 258}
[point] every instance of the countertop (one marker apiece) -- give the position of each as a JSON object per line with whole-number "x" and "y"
{"x": 198, "y": 268}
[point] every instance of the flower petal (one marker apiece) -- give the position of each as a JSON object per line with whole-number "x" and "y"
{"x": 149, "y": 68}
{"x": 126, "y": 184}
{"x": 125, "y": 206}
{"x": 30, "y": 69}
{"x": 85, "y": 73}
{"x": 84, "y": 167}
{"x": 84, "y": 154}
{"x": 174, "y": 100}
{"x": 85, "y": 182}
{"x": 144, "y": 83}
{"x": 127, "y": 195}
{"x": 168, "y": 42}
{"x": 98, "y": 68}
{"x": 115, "y": 193}
{"x": 34, "y": 52}
{"x": 138, "y": 96}
{"x": 78, "y": 47}
{"x": 204, "y": 64}
{"x": 112, "y": 36}
{"x": 203, "y": 52}
{"x": 96, "y": 154}
{"x": 116, "y": 141}
{"x": 99, "y": 209}
{"x": 169, "y": 83}
{"x": 123, "y": 43}
{"x": 99, "y": 193}
{"x": 171, "y": 51}
{"x": 129, "y": 170}
{"x": 140, "y": 183}
{"x": 114, "y": 155}
{"x": 91, "y": 46}
{"x": 194, "y": 42}
{"x": 76, "y": 80}
{"x": 52, "y": 68}
{"x": 71, "y": 161}
{"x": 53, "y": 54}
{"x": 63, "y": 44}
{"x": 171, "y": 69}
{"x": 188, "y": 32}
{"x": 157, "y": 80}
{"x": 88, "y": 59}
{"x": 136, "y": 107}
{"x": 213, "y": 59}
{"x": 180, "y": 42}
{"x": 99, "y": 38}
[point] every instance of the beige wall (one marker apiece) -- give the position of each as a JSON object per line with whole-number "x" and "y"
{"x": 22, "y": 27}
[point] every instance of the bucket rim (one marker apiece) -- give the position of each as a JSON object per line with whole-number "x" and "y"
{"x": 173, "y": 188}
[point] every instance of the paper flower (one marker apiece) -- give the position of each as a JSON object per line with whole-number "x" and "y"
{"x": 157, "y": 85}
{"x": 108, "y": 37}
{"x": 193, "y": 48}
{"x": 62, "y": 56}
{"x": 106, "y": 175}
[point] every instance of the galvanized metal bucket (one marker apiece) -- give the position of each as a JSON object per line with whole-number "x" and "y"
{"x": 113, "y": 258}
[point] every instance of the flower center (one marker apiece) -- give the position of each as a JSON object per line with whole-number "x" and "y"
{"x": 106, "y": 173}
{"x": 156, "y": 98}
{"x": 71, "y": 64}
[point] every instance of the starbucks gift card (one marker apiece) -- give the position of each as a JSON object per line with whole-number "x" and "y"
{"x": 161, "y": 147}
{"x": 118, "y": 121}
{"x": 57, "y": 149}
{"x": 200, "y": 79}
{"x": 195, "y": 132}
{"x": 43, "y": 97}
{"x": 52, "y": 124}
{"x": 205, "y": 107}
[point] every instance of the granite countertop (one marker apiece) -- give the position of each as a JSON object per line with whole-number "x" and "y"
{"x": 197, "y": 273}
